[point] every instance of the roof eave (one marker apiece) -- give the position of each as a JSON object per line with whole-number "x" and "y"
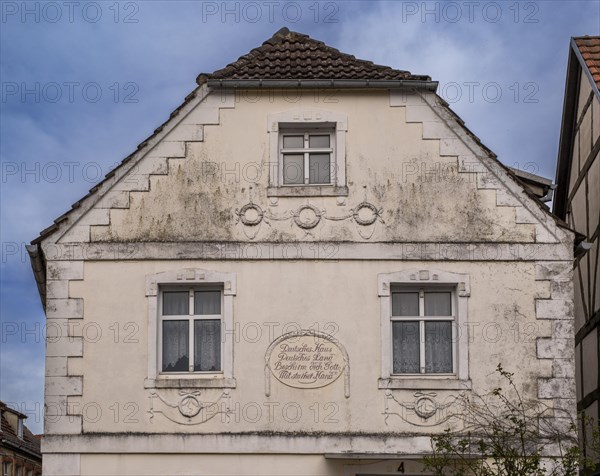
{"x": 323, "y": 83}
{"x": 563, "y": 166}
{"x": 38, "y": 266}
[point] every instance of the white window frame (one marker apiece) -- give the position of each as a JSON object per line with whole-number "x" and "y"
{"x": 307, "y": 120}
{"x": 6, "y": 468}
{"x": 426, "y": 279}
{"x": 421, "y": 319}
{"x": 197, "y": 278}
{"x": 190, "y": 317}
{"x": 306, "y": 151}
{"x": 20, "y": 427}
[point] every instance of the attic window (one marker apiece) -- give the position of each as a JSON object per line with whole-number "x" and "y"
{"x": 305, "y": 157}
{"x": 20, "y": 428}
{"x": 307, "y": 153}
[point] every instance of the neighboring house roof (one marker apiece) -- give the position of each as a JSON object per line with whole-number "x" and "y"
{"x": 584, "y": 59}
{"x": 539, "y": 186}
{"x": 30, "y": 443}
{"x": 589, "y": 48}
{"x": 290, "y": 55}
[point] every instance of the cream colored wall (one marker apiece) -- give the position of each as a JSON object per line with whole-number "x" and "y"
{"x": 519, "y": 310}
{"x": 385, "y": 154}
{"x": 242, "y": 465}
{"x": 343, "y": 301}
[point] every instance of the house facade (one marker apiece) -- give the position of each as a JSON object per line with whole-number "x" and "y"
{"x": 20, "y": 453}
{"x": 578, "y": 203}
{"x": 300, "y": 272}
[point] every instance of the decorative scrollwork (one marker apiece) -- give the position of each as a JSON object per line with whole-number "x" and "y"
{"x": 308, "y": 216}
{"x": 424, "y": 407}
{"x": 190, "y": 407}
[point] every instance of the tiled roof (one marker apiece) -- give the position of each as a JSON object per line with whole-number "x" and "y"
{"x": 291, "y": 55}
{"x": 589, "y": 47}
{"x": 29, "y": 442}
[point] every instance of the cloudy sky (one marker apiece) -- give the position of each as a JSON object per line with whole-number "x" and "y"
{"x": 84, "y": 82}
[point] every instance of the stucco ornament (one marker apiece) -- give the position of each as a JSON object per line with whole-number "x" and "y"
{"x": 307, "y": 216}
{"x": 250, "y": 214}
{"x": 365, "y": 214}
{"x": 306, "y": 359}
{"x": 189, "y": 408}
{"x": 425, "y": 410}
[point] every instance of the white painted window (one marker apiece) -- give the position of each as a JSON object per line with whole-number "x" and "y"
{"x": 6, "y": 469}
{"x": 190, "y": 329}
{"x": 20, "y": 428}
{"x": 307, "y": 153}
{"x": 424, "y": 331}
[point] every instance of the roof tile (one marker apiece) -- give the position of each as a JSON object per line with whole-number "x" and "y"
{"x": 589, "y": 47}
{"x": 291, "y": 55}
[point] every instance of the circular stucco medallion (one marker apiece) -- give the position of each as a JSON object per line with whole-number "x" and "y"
{"x": 251, "y": 214}
{"x": 365, "y": 214}
{"x": 425, "y": 407}
{"x": 189, "y": 406}
{"x": 306, "y": 361}
{"x": 307, "y": 216}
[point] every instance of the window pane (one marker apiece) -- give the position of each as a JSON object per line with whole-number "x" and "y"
{"x": 438, "y": 347}
{"x": 207, "y": 342}
{"x": 207, "y": 302}
{"x": 405, "y": 304}
{"x": 176, "y": 303}
{"x": 438, "y": 304}
{"x": 319, "y": 168}
{"x": 293, "y": 142}
{"x": 318, "y": 141}
{"x": 175, "y": 346}
{"x": 293, "y": 168}
{"x": 405, "y": 339}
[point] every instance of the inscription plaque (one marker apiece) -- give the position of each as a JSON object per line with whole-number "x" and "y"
{"x": 306, "y": 359}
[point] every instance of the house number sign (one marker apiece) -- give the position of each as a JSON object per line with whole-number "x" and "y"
{"x": 306, "y": 359}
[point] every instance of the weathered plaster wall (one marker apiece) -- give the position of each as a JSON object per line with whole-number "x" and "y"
{"x": 273, "y": 297}
{"x": 405, "y": 159}
{"x": 421, "y": 193}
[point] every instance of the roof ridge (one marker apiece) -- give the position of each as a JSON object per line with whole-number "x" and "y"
{"x": 293, "y": 55}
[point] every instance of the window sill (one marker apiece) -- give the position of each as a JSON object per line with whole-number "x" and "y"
{"x": 308, "y": 191}
{"x": 425, "y": 383}
{"x": 190, "y": 382}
